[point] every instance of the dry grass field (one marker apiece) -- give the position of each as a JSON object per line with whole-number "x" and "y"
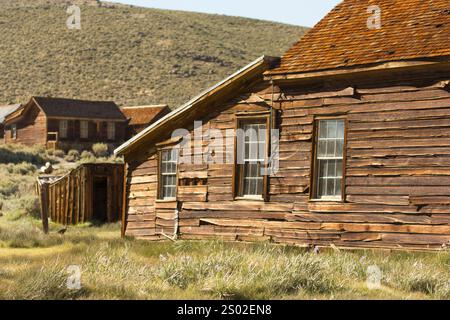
{"x": 35, "y": 266}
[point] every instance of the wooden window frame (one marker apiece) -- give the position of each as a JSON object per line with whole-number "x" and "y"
{"x": 81, "y": 129}
{"x": 13, "y": 131}
{"x": 159, "y": 172}
{"x": 110, "y": 125}
{"x": 65, "y": 136}
{"x": 314, "y": 169}
{"x": 237, "y": 173}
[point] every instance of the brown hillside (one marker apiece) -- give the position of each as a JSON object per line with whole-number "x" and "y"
{"x": 131, "y": 55}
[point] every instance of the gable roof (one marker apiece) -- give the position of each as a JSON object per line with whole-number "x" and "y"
{"x": 82, "y": 109}
{"x": 204, "y": 100}
{"x": 7, "y": 110}
{"x": 410, "y": 29}
{"x": 144, "y": 115}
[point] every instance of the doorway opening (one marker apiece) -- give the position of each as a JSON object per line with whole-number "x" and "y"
{"x": 100, "y": 198}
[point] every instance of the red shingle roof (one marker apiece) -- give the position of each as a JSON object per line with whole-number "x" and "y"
{"x": 145, "y": 115}
{"x": 409, "y": 29}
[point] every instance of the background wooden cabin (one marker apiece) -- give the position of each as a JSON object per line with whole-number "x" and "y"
{"x": 91, "y": 192}
{"x": 41, "y": 121}
{"x": 140, "y": 117}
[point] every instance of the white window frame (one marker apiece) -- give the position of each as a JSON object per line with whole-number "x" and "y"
{"x": 63, "y": 128}
{"x": 335, "y": 158}
{"x": 163, "y": 174}
{"x": 256, "y": 156}
{"x": 111, "y": 131}
{"x": 84, "y": 129}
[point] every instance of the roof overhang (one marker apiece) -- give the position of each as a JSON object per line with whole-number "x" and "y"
{"x": 256, "y": 68}
{"x": 10, "y": 109}
{"x": 16, "y": 115}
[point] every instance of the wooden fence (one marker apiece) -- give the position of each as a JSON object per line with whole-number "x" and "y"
{"x": 89, "y": 192}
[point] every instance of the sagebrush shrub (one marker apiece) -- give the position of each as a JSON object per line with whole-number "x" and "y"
{"x": 19, "y": 153}
{"x": 8, "y": 187}
{"x": 100, "y": 150}
{"x": 87, "y": 154}
{"x": 23, "y": 168}
{"x": 72, "y": 156}
{"x": 59, "y": 153}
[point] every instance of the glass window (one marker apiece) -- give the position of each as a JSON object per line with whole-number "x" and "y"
{"x": 251, "y": 179}
{"x": 111, "y": 131}
{"x": 168, "y": 173}
{"x": 84, "y": 129}
{"x": 63, "y": 128}
{"x": 14, "y": 131}
{"x": 329, "y": 159}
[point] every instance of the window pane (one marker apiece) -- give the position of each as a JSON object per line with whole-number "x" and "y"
{"x": 338, "y": 187}
{"x": 321, "y": 188}
{"x": 322, "y": 129}
{"x": 63, "y": 128}
{"x": 322, "y": 149}
{"x": 331, "y": 169}
{"x": 260, "y": 186}
{"x": 339, "y": 148}
{"x": 330, "y": 187}
{"x": 331, "y": 148}
{"x": 331, "y": 129}
{"x": 339, "y": 168}
{"x": 84, "y": 129}
{"x": 341, "y": 129}
{"x": 111, "y": 130}
{"x": 323, "y": 165}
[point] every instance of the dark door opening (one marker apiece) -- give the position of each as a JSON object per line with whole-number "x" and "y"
{"x": 100, "y": 198}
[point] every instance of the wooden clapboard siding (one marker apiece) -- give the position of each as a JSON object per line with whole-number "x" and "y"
{"x": 69, "y": 200}
{"x": 397, "y": 184}
{"x": 141, "y": 192}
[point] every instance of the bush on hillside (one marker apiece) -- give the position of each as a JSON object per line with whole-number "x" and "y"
{"x": 72, "y": 156}
{"x": 23, "y": 168}
{"x": 18, "y": 154}
{"x": 87, "y": 155}
{"x": 59, "y": 153}
{"x": 100, "y": 150}
{"x": 8, "y": 187}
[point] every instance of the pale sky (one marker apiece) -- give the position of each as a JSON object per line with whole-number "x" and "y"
{"x": 298, "y": 12}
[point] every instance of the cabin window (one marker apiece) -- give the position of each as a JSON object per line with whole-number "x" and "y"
{"x": 14, "y": 131}
{"x": 84, "y": 129}
{"x": 252, "y": 151}
{"x": 111, "y": 131}
{"x": 329, "y": 159}
{"x": 168, "y": 174}
{"x": 63, "y": 128}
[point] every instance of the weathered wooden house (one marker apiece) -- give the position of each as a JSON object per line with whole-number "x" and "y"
{"x": 140, "y": 117}
{"x": 363, "y": 115}
{"x": 5, "y": 111}
{"x": 90, "y": 192}
{"x": 66, "y": 124}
